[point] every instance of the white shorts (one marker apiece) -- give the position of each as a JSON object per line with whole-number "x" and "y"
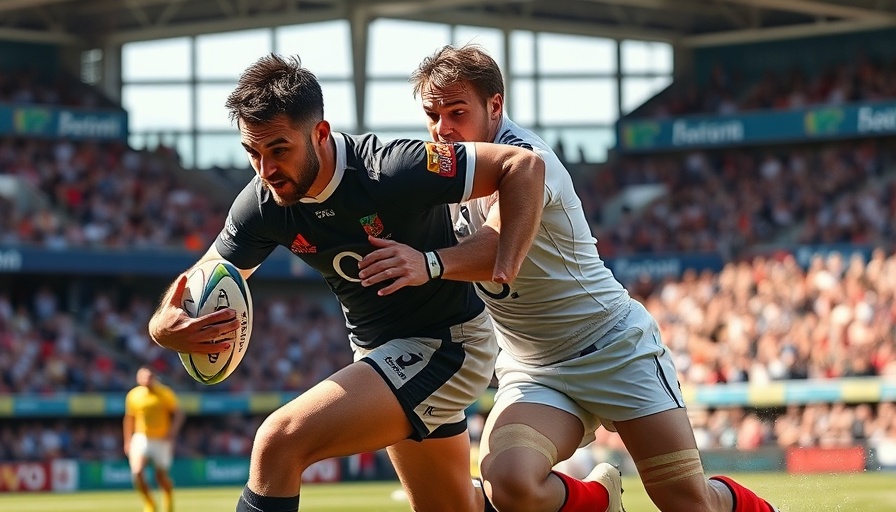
{"x": 435, "y": 380}
{"x": 157, "y": 451}
{"x": 627, "y": 374}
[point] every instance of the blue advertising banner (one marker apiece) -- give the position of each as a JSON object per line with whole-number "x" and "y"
{"x": 35, "y": 260}
{"x": 63, "y": 123}
{"x": 628, "y": 269}
{"x": 814, "y": 123}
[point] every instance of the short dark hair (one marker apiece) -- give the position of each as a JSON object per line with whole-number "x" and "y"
{"x": 275, "y": 86}
{"x": 449, "y": 65}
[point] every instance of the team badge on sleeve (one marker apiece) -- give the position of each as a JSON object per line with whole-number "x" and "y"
{"x": 441, "y": 159}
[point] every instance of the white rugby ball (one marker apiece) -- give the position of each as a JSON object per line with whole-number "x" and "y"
{"x": 211, "y": 286}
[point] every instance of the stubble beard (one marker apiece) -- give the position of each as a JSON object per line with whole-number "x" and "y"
{"x": 298, "y": 188}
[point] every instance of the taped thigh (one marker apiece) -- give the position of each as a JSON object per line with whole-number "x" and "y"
{"x": 519, "y": 435}
{"x": 669, "y": 468}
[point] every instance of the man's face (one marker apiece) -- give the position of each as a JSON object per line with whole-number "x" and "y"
{"x": 282, "y": 156}
{"x": 144, "y": 377}
{"x": 458, "y": 114}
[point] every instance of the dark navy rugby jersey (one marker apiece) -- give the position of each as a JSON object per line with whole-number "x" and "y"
{"x": 397, "y": 190}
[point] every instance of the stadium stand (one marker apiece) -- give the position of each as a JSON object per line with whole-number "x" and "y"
{"x": 769, "y": 316}
{"x": 861, "y": 78}
{"x": 731, "y": 200}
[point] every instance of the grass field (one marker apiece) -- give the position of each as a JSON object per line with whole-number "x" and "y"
{"x": 867, "y": 492}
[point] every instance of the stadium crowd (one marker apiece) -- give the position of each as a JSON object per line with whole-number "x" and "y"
{"x": 32, "y": 87}
{"x": 107, "y": 195}
{"x": 728, "y": 201}
{"x": 92, "y": 194}
{"x": 756, "y": 321}
{"x": 725, "y": 92}
{"x": 45, "y": 348}
{"x": 770, "y": 319}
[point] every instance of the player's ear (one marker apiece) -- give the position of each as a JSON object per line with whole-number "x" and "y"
{"x": 320, "y": 134}
{"x": 496, "y": 106}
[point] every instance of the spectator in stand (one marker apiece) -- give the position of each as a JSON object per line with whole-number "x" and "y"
{"x": 728, "y": 201}
{"x": 860, "y": 79}
{"x": 104, "y": 195}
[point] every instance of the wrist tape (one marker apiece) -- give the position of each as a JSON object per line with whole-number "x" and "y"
{"x": 434, "y": 264}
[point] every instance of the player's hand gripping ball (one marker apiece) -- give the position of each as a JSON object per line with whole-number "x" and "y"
{"x": 211, "y": 286}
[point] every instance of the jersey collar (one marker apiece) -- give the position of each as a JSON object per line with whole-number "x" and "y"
{"x": 338, "y": 173}
{"x": 501, "y": 127}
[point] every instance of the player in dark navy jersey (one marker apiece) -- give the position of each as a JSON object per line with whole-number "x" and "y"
{"x": 422, "y": 355}
{"x": 381, "y": 191}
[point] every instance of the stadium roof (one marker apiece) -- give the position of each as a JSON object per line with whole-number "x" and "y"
{"x": 97, "y": 23}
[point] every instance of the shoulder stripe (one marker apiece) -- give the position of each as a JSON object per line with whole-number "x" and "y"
{"x": 510, "y": 139}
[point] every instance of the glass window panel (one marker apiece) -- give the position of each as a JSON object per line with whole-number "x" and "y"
{"x": 220, "y": 150}
{"x": 581, "y": 144}
{"x": 228, "y": 54}
{"x": 165, "y": 59}
{"x": 332, "y": 59}
{"x": 210, "y": 99}
{"x": 522, "y": 52}
{"x": 635, "y": 91}
{"x": 137, "y": 140}
{"x": 520, "y": 101}
{"x": 339, "y": 105}
{"x": 646, "y": 57}
{"x": 584, "y": 100}
{"x": 490, "y": 39}
{"x": 184, "y": 145}
{"x": 397, "y": 47}
{"x": 392, "y": 104}
{"x": 559, "y": 53}
{"x": 157, "y": 107}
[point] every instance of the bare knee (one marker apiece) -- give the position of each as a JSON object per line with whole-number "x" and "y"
{"x": 509, "y": 488}
{"x": 278, "y": 440}
{"x": 164, "y": 479}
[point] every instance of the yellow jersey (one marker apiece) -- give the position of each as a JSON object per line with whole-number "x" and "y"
{"x": 152, "y": 409}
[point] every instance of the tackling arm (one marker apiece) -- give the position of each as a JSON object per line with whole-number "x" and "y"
{"x": 474, "y": 257}
{"x": 518, "y": 176}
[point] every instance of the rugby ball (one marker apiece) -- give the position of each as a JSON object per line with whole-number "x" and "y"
{"x": 214, "y": 285}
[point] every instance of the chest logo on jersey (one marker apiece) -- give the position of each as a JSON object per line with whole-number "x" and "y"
{"x": 322, "y": 214}
{"x": 441, "y": 159}
{"x": 372, "y": 225}
{"x": 301, "y": 246}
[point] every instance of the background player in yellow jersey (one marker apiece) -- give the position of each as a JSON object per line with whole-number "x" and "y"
{"x": 152, "y": 418}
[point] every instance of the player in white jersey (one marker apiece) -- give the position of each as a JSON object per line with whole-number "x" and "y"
{"x": 576, "y": 350}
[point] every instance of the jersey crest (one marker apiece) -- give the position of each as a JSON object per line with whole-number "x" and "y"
{"x": 441, "y": 159}
{"x": 372, "y": 225}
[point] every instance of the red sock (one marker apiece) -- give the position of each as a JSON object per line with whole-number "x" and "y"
{"x": 745, "y": 500}
{"x": 583, "y": 496}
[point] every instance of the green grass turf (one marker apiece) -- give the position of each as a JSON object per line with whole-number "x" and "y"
{"x": 868, "y": 492}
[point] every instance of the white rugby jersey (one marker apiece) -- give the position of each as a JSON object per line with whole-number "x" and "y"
{"x": 564, "y": 296}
